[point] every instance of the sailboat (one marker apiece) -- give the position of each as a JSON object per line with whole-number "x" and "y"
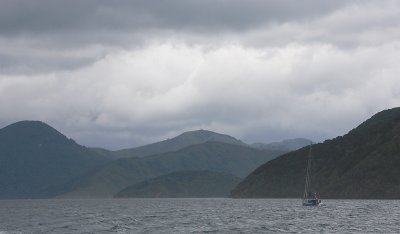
{"x": 310, "y": 198}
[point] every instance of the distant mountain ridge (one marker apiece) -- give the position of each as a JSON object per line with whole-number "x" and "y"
{"x": 34, "y": 157}
{"x": 37, "y": 161}
{"x": 288, "y": 145}
{"x": 364, "y": 163}
{"x": 184, "y": 184}
{"x": 179, "y": 142}
{"x": 109, "y": 179}
{"x": 198, "y": 137}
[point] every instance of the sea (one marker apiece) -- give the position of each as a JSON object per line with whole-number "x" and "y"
{"x": 211, "y": 215}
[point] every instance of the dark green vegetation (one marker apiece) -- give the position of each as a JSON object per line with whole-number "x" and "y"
{"x": 109, "y": 179}
{"x": 184, "y": 184}
{"x": 365, "y": 163}
{"x": 38, "y": 161}
{"x": 184, "y": 140}
{"x": 35, "y": 159}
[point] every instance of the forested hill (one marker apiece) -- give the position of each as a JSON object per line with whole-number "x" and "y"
{"x": 184, "y": 184}
{"x": 361, "y": 164}
{"x": 177, "y": 143}
{"x": 34, "y": 158}
{"x": 109, "y": 179}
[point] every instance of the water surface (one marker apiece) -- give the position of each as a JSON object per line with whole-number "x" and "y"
{"x": 198, "y": 216}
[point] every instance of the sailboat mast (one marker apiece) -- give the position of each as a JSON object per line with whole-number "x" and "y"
{"x": 308, "y": 178}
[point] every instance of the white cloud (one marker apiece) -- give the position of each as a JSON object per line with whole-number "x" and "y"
{"x": 316, "y": 90}
{"x": 315, "y": 77}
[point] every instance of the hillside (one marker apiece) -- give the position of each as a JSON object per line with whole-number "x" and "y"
{"x": 184, "y": 184}
{"x": 285, "y": 145}
{"x": 213, "y": 156}
{"x": 35, "y": 158}
{"x": 184, "y": 140}
{"x": 361, "y": 164}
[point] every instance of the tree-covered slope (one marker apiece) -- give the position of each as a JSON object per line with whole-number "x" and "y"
{"x": 35, "y": 158}
{"x": 184, "y": 184}
{"x": 365, "y": 163}
{"x": 213, "y": 156}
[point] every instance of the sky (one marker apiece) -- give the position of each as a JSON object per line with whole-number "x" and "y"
{"x": 119, "y": 74}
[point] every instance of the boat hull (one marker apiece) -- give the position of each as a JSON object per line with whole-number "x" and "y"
{"x": 311, "y": 202}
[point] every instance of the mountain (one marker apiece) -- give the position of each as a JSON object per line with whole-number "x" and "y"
{"x": 288, "y": 145}
{"x": 35, "y": 158}
{"x": 109, "y": 179}
{"x": 184, "y": 184}
{"x": 104, "y": 152}
{"x": 361, "y": 164}
{"x": 184, "y": 140}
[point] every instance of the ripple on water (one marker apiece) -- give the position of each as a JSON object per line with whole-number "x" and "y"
{"x": 197, "y": 216}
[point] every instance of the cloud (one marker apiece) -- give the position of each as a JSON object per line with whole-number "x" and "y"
{"x": 41, "y": 16}
{"x": 43, "y": 36}
{"x": 130, "y": 73}
{"x": 233, "y": 89}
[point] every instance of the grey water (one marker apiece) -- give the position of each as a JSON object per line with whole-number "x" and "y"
{"x": 198, "y": 216}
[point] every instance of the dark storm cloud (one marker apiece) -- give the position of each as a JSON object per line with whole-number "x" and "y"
{"x": 59, "y": 25}
{"x": 34, "y": 64}
{"x": 51, "y": 16}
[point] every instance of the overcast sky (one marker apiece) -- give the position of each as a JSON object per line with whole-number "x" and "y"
{"x": 119, "y": 74}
